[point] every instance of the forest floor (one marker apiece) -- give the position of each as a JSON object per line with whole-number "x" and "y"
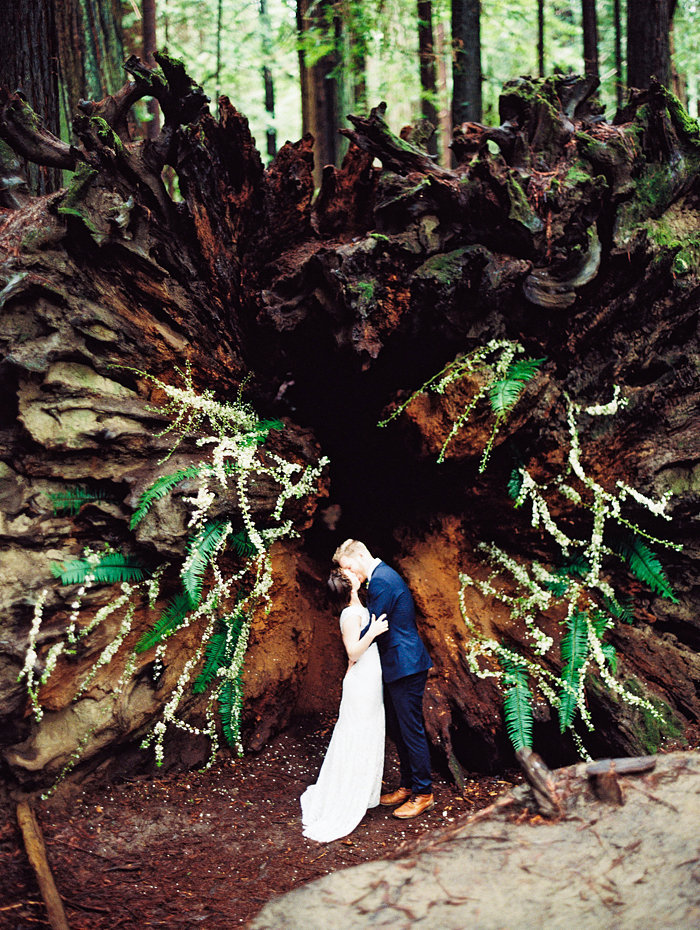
{"x": 204, "y": 848}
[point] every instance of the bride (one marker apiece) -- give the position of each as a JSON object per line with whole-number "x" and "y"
{"x": 351, "y": 775}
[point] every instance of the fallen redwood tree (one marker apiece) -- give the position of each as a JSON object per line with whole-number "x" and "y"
{"x": 559, "y": 237}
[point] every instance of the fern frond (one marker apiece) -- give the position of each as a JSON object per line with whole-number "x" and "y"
{"x": 574, "y": 652}
{"x": 169, "y": 620}
{"x": 219, "y": 652}
{"x": 242, "y": 545}
{"x": 622, "y": 609}
{"x": 515, "y": 484}
{"x": 517, "y": 704}
{"x": 70, "y": 501}
{"x": 611, "y": 656}
{"x": 160, "y": 487}
{"x": 214, "y": 659}
{"x": 112, "y": 568}
{"x": 230, "y": 704}
{"x": 504, "y": 395}
{"x": 525, "y": 369}
{"x": 259, "y": 434}
{"x": 504, "y": 392}
{"x": 601, "y": 621}
{"x": 200, "y": 551}
{"x": 575, "y": 567}
{"x": 643, "y": 563}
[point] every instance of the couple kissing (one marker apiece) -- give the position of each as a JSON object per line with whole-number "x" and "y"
{"x": 382, "y": 691}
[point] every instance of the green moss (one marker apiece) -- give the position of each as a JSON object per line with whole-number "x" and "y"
{"x": 8, "y": 159}
{"x": 616, "y": 151}
{"x": 443, "y": 268}
{"x": 681, "y": 239}
{"x": 75, "y": 192}
{"x": 23, "y": 114}
{"x": 361, "y": 296}
{"x": 649, "y": 731}
{"x": 106, "y": 134}
{"x": 71, "y": 204}
{"x": 654, "y": 190}
{"x": 365, "y": 289}
{"x": 520, "y": 208}
{"x": 687, "y": 261}
{"x": 172, "y": 67}
{"x": 686, "y": 126}
{"x": 576, "y": 176}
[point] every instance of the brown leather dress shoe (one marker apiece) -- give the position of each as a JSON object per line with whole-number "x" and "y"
{"x": 416, "y": 806}
{"x": 395, "y": 797}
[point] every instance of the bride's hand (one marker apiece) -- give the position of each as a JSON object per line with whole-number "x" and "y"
{"x": 378, "y": 625}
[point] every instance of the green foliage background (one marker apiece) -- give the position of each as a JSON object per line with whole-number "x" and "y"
{"x": 389, "y": 30}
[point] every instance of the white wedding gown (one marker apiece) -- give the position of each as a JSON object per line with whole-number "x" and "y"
{"x": 351, "y": 775}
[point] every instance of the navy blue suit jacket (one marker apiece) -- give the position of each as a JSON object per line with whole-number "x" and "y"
{"x": 401, "y": 649}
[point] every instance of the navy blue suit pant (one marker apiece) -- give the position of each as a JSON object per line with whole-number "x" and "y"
{"x": 403, "y": 702}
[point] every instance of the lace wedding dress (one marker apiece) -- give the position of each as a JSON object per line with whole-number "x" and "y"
{"x": 351, "y": 775}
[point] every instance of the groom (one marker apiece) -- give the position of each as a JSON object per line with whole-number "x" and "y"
{"x": 405, "y": 664}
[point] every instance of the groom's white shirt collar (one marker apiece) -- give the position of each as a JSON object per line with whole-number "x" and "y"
{"x": 374, "y": 565}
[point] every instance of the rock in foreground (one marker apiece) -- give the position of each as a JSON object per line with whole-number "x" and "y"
{"x": 630, "y": 866}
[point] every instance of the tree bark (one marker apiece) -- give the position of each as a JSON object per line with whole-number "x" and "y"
{"x": 466, "y": 61}
{"x": 29, "y": 53}
{"x": 590, "y": 39}
{"x": 320, "y": 82}
{"x": 268, "y": 82}
{"x": 619, "y": 78}
{"x": 427, "y": 70}
{"x": 648, "y": 49}
{"x": 59, "y": 53}
{"x": 149, "y": 45}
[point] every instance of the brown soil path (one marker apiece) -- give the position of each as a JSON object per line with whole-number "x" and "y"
{"x": 202, "y": 849}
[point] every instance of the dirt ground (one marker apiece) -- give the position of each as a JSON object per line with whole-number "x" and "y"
{"x": 203, "y": 848}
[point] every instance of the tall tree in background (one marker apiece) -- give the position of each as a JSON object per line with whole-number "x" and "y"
{"x": 320, "y": 34}
{"x": 358, "y": 37}
{"x": 59, "y": 52}
{"x": 466, "y": 61}
{"x": 268, "y": 83}
{"x": 428, "y": 71}
{"x": 619, "y": 80}
{"x": 28, "y": 58}
{"x": 540, "y": 37}
{"x": 148, "y": 35}
{"x": 648, "y": 41}
{"x": 589, "y": 23}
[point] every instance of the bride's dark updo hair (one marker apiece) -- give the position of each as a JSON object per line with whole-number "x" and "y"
{"x": 339, "y": 587}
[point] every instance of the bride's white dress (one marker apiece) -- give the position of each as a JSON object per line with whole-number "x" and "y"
{"x": 351, "y": 775}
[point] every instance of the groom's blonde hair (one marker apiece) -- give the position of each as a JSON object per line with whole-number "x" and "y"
{"x": 351, "y": 548}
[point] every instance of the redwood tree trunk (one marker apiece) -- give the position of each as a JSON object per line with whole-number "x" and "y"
{"x": 427, "y": 68}
{"x": 619, "y": 76}
{"x": 648, "y": 42}
{"x": 466, "y": 61}
{"x": 590, "y": 38}
{"x": 268, "y": 82}
{"x": 28, "y": 60}
{"x": 320, "y": 82}
{"x": 59, "y": 53}
{"x": 149, "y": 45}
